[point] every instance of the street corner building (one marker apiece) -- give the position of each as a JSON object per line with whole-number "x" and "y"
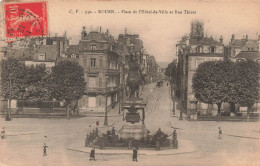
{"x": 194, "y": 49}
{"x": 99, "y": 59}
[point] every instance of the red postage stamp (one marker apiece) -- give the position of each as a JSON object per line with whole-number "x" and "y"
{"x": 26, "y": 19}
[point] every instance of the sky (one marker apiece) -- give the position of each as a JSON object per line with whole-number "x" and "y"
{"x": 159, "y": 32}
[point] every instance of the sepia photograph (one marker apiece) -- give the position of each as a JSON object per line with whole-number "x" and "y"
{"x": 128, "y": 82}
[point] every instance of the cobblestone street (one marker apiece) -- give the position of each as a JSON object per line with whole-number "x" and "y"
{"x": 24, "y": 140}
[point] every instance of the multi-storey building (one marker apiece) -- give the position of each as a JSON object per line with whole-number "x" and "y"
{"x": 192, "y": 51}
{"x": 100, "y": 62}
{"x": 39, "y": 50}
{"x": 243, "y": 45}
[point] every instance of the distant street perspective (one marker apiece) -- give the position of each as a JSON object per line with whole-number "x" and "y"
{"x": 107, "y": 101}
{"x": 198, "y": 141}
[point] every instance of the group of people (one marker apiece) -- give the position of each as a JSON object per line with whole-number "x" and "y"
{"x": 91, "y": 136}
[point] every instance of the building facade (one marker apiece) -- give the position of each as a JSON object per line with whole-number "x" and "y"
{"x": 100, "y": 62}
{"x": 38, "y": 50}
{"x": 243, "y": 45}
{"x": 192, "y": 51}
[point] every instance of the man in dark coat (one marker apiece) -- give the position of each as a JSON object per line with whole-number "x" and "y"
{"x": 174, "y": 140}
{"x": 219, "y": 133}
{"x": 92, "y": 154}
{"x": 135, "y": 154}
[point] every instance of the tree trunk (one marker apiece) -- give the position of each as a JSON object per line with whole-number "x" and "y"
{"x": 173, "y": 106}
{"x": 249, "y": 107}
{"x": 68, "y": 111}
{"x": 232, "y": 107}
{"x": 10, "y": 109}
{"x": 219, "y": 111}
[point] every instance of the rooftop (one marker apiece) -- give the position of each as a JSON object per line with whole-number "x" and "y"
{"x": 205, "y": 41}
{"x": 206, "y": 54}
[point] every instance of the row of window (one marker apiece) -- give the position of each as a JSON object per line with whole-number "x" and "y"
{"x": 96, "y": 101}
{"x": 93, "y": 63}
{"x": 91, "y": 101}
{"x": 206, "y": 49}
{"x": 195, "y": 63}
{"x": 242, "y": 59}
{"x": 92, "y": 82}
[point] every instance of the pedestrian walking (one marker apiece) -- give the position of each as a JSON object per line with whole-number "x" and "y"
{"x": 44, "y": 150}
{"x": 113, "y": 131}
{"x": 92, "y": 155}
{"x": 219, "y": 133}
{"x": 3, "y": 133}
{"x": 135, "y": 154}
{"x": 174, "y": 140}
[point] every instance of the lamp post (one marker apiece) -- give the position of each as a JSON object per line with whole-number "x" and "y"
{"x": 120, "y": 89}
{"x": 8, "y": 115}
{"x": 105, "y": 120}
{"x": 181, "y": 109}
{"x": 181, "y": 118}
{"x": 173, "y": 103}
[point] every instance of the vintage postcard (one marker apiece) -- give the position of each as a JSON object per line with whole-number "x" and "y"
{"x": 114, "y": 82}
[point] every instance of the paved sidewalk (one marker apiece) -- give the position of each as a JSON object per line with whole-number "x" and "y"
{"x": 184, "y": 147}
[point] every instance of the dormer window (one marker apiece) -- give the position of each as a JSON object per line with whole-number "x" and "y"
{"x": 199, "y": 49}
{"x": 42, "y": 57}
{"x": 93, "y": 47}
{"x": 212, "y": 49}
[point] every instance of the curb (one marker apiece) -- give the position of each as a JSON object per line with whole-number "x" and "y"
{"x": 127, "y": 152}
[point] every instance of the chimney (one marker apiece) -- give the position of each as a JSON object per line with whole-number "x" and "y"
{"x": 221, "y": 39}
{"x": 227, "y": 52}
{"x": 246, "y": 37}
{"x": 100, "y": 29}
{"x": 107, "y": 31}
{"x": 233, "y": 37}
{"x": 258, "y": 37}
